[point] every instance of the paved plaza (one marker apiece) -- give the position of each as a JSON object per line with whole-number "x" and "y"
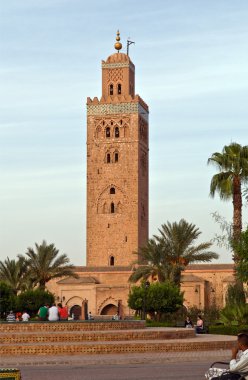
{"x": 155, "y": 366}
{"x": 133, "y": 366}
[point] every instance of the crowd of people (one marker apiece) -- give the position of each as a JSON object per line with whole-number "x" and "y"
{"x": 53, "y": 313}
{"x": 45, "y": 313}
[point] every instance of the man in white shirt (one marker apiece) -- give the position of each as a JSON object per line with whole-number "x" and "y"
{"x": 25, "y": 316}
{"x": 53, "y": 313}
{"x": 238, "y": 363}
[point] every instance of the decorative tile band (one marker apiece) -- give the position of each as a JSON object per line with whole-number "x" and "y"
{"x": 117, "y": 65}
{"x": 117, "y": 108}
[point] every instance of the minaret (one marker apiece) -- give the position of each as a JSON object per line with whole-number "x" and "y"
{"x": 117, "y": 166}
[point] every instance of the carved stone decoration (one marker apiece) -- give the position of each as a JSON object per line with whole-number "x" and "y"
{"x": 105, "y": 128}
{"x": 106, "y": 200}
{"x": 115, "y": 75}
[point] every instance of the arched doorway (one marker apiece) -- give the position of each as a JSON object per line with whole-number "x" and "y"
{"x": 76, "y": 310}
{"x": 109, "y": 310}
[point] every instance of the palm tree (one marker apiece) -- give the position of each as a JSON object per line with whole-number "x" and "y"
{"x": 178, "y": 241}
{"x": 151, "y": 263}
{"x": 44, "y": 264}
{"x": 167, "y": 255}
{"x": 14, "y": 273}
{"x": 232, "y": 164}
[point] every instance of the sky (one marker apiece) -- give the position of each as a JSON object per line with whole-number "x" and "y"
{"x": 191, "y": 69}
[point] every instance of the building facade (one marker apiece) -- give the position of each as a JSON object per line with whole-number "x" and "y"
{"x": 117, "y": 203}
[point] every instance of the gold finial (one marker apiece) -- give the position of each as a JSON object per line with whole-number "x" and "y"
{"x": 118, "y": 44}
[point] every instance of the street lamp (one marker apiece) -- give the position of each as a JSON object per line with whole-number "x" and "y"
{"x": 147, "y": 284}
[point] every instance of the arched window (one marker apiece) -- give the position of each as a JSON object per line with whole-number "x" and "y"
{"x": 112, "y": 208}
{"x": 108, "y": 158}
{"x": 119, "y": 88}
{"x": 117, "y": 133}
{"x": 107, "y": 132}
{"x": 112, "y": 190}
{"x": 111, "y": 89}
{"x": 116, "y": 157}
{"x": 111, "y": 261}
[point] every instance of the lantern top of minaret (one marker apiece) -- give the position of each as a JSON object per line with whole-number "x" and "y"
{"x": 118, "y": 44}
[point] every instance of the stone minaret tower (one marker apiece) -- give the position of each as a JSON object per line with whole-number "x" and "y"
{"x": 117, "y": 166}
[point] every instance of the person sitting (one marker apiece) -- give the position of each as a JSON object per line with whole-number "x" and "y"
{"x": 90, "y": 317}
{"x": 25, "y": 316}
{"x": 53, "y": 313}
{"x": 188, "y": 323}
{"x": 63, "y": 312}
{"x": 199, "y": 325}
{"x": 11, "y": 317}
{"x": 238, "y": 362}
{"x": 42, "y": 313}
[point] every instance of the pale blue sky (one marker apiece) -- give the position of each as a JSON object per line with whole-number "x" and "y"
{"x": 191, "y": 68}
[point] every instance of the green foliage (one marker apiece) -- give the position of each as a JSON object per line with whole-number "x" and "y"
{"x": 235, "y": 295}
{"x": 7, "y": 299}
{"x": 164, "y": 298}
{"x": 44, "y": 263}
{"x": 165, "y": 256}
{"x": 234, "y": 315}
{"x": 135, "y": 298}
{"x": 14, "y": 273}
{"x": 228, "y": 330}
{"x": 159, "y": 298}
{"x": 32, "y": 300}
{"x": 241, "y": 248}
{"x": 231, "y": 163}
{"x": 232, "y": 166}
{"x": 152, "y": 262}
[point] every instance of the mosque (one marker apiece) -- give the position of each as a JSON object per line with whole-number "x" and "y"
{"x": 117, "y": 203}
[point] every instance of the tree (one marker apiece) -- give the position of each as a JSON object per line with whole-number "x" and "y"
{"x": 32, "y": 300}
{"x": 14, "y": 273}
{"x": 166, "y": 256}
{"x": 44, "y": 264}
{"x": 241, "y": 249}
{"x": 7, "y": 299}
{"x": 152, "y": 263}
{"x": 159, "y": 297}
{"x": 232, "y": 165}
{"x": 178, "y": 242}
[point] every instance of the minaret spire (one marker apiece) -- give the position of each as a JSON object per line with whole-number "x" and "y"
{"x": 118, "y": 44}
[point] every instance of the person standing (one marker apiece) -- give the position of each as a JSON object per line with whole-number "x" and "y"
{"x": 53, "y": 313}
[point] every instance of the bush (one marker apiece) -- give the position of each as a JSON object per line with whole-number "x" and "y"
{"x": 227, "y": 330}
{"x": 32, "y": 300}
{"x": 158, "y": 298}
{"x": 234, "y": 314}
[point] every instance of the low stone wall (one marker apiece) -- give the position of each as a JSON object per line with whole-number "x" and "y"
{"x": 70, "y": 326}
{"x": 112, "y": 348}
{"x": 96, "y": 336}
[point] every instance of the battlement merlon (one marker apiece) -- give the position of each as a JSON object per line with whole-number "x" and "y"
{"x": 117, "y": 100}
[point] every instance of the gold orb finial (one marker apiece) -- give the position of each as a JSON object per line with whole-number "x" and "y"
{"x": 118, "y": 44}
